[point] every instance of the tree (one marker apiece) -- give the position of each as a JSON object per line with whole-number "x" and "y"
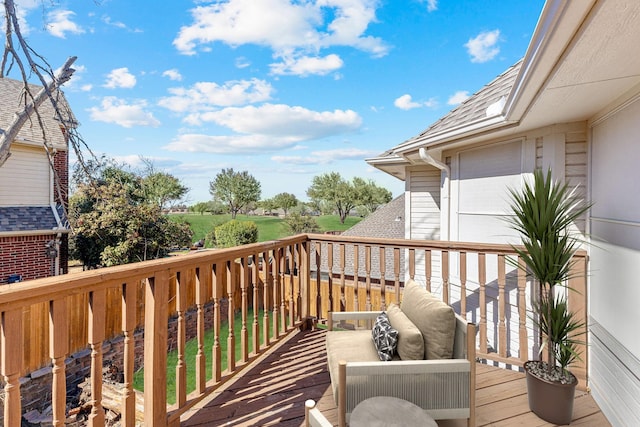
{"x": 370, "y": 195}
{"x": 331, "y": 188}
{"x": 162, "y": 188}
{"x": 236, "y": 233}
{"x": 115, "y": 224}
{"x": 235, "y": 189}
{"x": 285, "y": 201}
{"x": 268, "y": 205}
{"x": 200, "y": 207}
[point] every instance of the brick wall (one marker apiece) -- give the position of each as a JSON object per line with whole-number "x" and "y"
{"x": 24, "y": 255}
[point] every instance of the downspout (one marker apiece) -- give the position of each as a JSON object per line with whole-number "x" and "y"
{"x": 428, "y": 159}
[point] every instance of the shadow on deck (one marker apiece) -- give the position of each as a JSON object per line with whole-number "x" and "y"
{"x": 274, "y": 389}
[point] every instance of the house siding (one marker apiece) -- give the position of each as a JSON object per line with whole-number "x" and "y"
{"x": 25, "y": 178}
{"x": 423, "y": 206}
{"x": 614, "y": 224}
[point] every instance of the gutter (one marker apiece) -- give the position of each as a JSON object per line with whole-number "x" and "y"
{"x": 428, "y": 159}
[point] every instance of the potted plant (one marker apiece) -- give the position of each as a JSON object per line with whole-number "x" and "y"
{"x": 543, "y": 212}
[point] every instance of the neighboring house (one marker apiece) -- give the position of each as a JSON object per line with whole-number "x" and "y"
{"x": 572, "y": 104}
{"x": 33, "y": 227}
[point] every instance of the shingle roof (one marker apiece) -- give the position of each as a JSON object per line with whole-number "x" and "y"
{"x": 381, "y": 224}
{"x": 29, "y": 218}
{"x": 476, "y": 107}
{"x": 12, "y": 100}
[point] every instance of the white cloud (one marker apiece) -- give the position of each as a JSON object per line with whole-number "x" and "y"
{"x": 86, "y": 88}
{"x": 173, "y": 74}
{"x": 242, "y": 62}
{"x": 483, "y": 47}
{"x": 431, "y": 5}
{"x": 59, "y": 23}
{"x": 458, "y": 97}
{"x": 204, "y": 96}
{"x": 282, "y": 120}
{"x": 405, "y": 102}
{"x": 118, "y": 111}
{"x": 307, "y": 65}
{"x": 120, "y": 78}
{"x": 283, "y": 26}
{"x": 266, "y": 128}
{"x": 325, "y": 156}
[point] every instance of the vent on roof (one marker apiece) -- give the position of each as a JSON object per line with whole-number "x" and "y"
{"x": 496, "y": 108}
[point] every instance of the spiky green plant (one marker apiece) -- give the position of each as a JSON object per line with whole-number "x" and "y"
{"x": 543, "y": 212}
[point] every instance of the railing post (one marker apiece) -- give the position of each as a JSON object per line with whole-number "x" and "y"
{"x": 502, "y": 325}
{"x": 304, "y": 275}
{"x": 128, "y": 326}
{"x": 577, "y": 302}
{"x": 427, "y": 269}
{"x": 201, "y": 360}
{"x": 292, "y": 307}
{"x": 58, "y": 343}
{"x": 463, "y": 284}
{"x": 343, "y": 300}
{"x": 97, "y": 312}
{"x": 283, "y": 269}
{"x": 155, "y": 349}
{"x": 244, "y": 332}
{"x": 367, "y": 270}
{"x": 231, "y": 338}
{"x": 382, "y": 260}
{"x": 356, "y": 277}
{"x": 255, "y": 278}
{"x": 522, "y": 312}
{"x": 445, "y": 276}
{"x": 482, "y": 289}
{"x": 266, "y": 296}
{"x": 330, "y": 276}
{"x": 12, "y": 355}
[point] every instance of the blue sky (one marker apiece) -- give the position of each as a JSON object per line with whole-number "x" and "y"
{"x": 284, "y": 89}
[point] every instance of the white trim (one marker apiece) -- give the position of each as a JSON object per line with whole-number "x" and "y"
{"x": 614, "y": 111}
{"x": 616, "y": 221}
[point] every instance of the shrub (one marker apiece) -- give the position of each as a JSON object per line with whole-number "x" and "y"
{"x": 236, "y": 233}
{"x": 297, "y": 224}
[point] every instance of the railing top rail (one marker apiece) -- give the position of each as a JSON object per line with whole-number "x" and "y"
{"x": 490, "y": 248}
{"x": 46, "y": 289}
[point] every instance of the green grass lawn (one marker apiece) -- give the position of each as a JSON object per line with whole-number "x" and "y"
{"x": 269, "y": 227}
{"x": 191, "y": 349}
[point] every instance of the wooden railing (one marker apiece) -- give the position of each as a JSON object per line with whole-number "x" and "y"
{"x": 288, "y": 281}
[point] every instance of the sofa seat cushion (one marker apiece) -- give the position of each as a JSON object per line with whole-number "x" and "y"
{"x": 350, "y": 346}
{"x": 410, "y": 342}
{"x": 435, "y": 319}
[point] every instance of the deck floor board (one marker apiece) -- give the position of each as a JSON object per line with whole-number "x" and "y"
{"x": 273, "y": 392}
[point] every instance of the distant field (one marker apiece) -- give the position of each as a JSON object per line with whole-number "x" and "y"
{"x": 269, "y": 227}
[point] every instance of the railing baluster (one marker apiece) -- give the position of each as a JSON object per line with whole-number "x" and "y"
{"x": 244, "y": 332}
{"x": 396, "y": 272}
{"x": 383, "y": 273}
{"x": 445, "y": 276}
{"x": 292, "y": 308}
{"x": 129, "y": 305}
{"x": 412, "y": 263}
{"x": 318, "y": 256}
{"x": 343, "y": 299}
{"x": 12, "y": 355}
{"x": 522, "y": 312}
{"x": 276, "y": 290}
{"x": 201, "y": 360}
{"x": 255, "y": 279}
{"x": 330, "y": 275}
{"x": 482, "y": 279}
{"x": 283, "y": 314}
{"x": 58, "y": 343}
{"x": 155, "y": 349}
{"x": 216, "y": 293}
{"x": 231, "y": 338}
{"x": 502, "y": 326}
{"x": 356, "y": 277}
{"x": 427, "y": 269}
{"x": 367, "y": 269}
{"x": 181, "y": 366}
{"x": 97, "y": 311}
{"x": 266, "y": 268}
{"x": 463, "y": 284}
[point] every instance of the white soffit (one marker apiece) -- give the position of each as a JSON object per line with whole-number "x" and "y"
{"x": 599, "y": 66}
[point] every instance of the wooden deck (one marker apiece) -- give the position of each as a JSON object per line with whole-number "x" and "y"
{"x": 274, "y": 389}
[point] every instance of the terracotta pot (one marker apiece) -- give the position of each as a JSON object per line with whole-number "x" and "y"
{"x": 549, "y": 400}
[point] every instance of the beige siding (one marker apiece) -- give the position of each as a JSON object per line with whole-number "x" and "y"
{"x": 539, "y": 141}
{"x": 25, "y": 178}
{"x": 424, "y": 204}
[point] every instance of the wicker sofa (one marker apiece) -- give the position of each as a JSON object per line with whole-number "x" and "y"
{"x": 443, "y": 387}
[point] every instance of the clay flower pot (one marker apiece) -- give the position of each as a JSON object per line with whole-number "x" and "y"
{"x": 550, "y": 400}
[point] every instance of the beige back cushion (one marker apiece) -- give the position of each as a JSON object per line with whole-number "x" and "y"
{"x": 410, "y": 342}
{"x": 435, "y": 320}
